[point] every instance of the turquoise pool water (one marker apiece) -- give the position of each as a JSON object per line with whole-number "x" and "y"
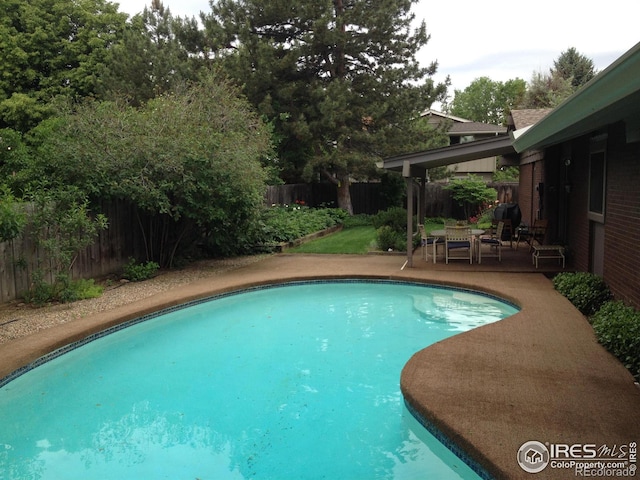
{"x": 298, "y": 381}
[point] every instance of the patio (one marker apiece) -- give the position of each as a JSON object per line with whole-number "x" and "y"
{"x": 513, "y": 260}
{"x": 538, "y": 375}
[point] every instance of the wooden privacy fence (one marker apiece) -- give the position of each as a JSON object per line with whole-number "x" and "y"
{"x": 367, "y": 197}
{"x": 20, "y": 257}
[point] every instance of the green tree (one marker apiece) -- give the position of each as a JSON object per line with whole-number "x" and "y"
{"x": 547, "y": 90}
{"x": 15, "y": 158}
{"x": 61, "y": 224}
{"x": 190, "y": 159}
{"x": 471, "y": 193}
{"x": 151, "y": 59}
{"x": 570, "y": 71}
{"x": 12, "y": 215}
{"x": 488, "y": 101}
{"x": 52, "y": 48}
{"x": 572, "y": 65}
{"x": 338, "y": 80}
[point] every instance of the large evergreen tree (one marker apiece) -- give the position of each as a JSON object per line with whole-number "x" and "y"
{"x": 152, "y": 57}
{"x": 570, "y": 71}
{"x": 572, "y": 65}
{"x": 52, "y": 48}
{"x": 338, "y": 79}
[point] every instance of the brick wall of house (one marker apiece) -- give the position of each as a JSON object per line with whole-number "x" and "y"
{"x": 526, "y": 195}
{"x": 622, "y": 214}
{"x": 622, "y": 221}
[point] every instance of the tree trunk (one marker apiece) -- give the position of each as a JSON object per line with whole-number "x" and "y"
{"x": 344, "y": 195}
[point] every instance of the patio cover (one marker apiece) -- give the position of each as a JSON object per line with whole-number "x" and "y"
{"x": 416, "y": 164}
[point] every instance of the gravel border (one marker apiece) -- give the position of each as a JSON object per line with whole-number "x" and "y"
{"x": 18, "y": 319}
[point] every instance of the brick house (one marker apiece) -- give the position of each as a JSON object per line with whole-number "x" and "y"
{"x": 584, "y": 156}
{"x": 579, "y": 168}
{"x": 531, "y": 177}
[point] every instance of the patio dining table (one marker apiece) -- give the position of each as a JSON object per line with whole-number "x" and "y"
{"x": 442, "y": 233}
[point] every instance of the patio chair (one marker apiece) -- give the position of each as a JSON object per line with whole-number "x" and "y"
{"x": 494, "y": 241}
{"x": 427, "y": 241}
{"x": 458, "y": 238}
{"x": 534, "y": 233}
{"x": 507, "y": 230}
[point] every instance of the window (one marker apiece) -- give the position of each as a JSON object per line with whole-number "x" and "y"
{"x": 597, "y": 178}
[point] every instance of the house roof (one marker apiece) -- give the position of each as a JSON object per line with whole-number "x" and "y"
{"x": 462, "y": 126}
{"x": 476, "y": 128}
{"x": 611, "y": 96}
{"x": 445, "y": 116}
{"x": 526, "y": 117}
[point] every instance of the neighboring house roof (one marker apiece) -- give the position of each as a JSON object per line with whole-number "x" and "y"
{"x": 462, "y": 126}
{"x": 526, "y": 117}
{"x": 611, "y": 96}
{"x": 435, "y": 113}
{"x": 497, "y": 144}
{"x": 476, "y": 128}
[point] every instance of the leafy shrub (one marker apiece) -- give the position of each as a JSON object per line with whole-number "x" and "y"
{"x": 617, "y": 328}
{"x": 395, "y": 217}
{"x": 388, "y": 238}
{"x": 12, "y": 216}
{"x": 40, "y": 292}
{"x": 471, "y": 193}
{"x": 137, "y": 272}
{"x": 285, "y": 224}
{"x": 63, "y": 289}
{"x": 360, "y": 220}
{"x": 586, "y": 291}
{"x": 87, "y": 289}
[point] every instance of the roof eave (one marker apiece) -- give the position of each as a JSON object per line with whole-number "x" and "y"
{"x": 605, "y": 98}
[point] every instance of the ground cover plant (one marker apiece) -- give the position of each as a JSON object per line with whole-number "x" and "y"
{"x": 616, "y": 326}
{"x": 137, "y": 272}
{"x": 586, "y": 291}
{"x": 286, "y": 223}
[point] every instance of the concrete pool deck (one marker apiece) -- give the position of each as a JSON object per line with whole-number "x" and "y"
{"x": 538, "y": 375}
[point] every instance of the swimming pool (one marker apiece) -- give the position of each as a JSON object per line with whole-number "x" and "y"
{"x": 292, "y": 381}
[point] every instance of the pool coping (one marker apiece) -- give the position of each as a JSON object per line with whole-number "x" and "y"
{"x": 478, "y": 397}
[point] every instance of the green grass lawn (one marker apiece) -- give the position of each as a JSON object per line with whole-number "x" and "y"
{"x": 357, "y": 240}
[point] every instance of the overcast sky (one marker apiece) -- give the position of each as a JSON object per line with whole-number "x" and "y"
{"x": 502, "y": 41}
